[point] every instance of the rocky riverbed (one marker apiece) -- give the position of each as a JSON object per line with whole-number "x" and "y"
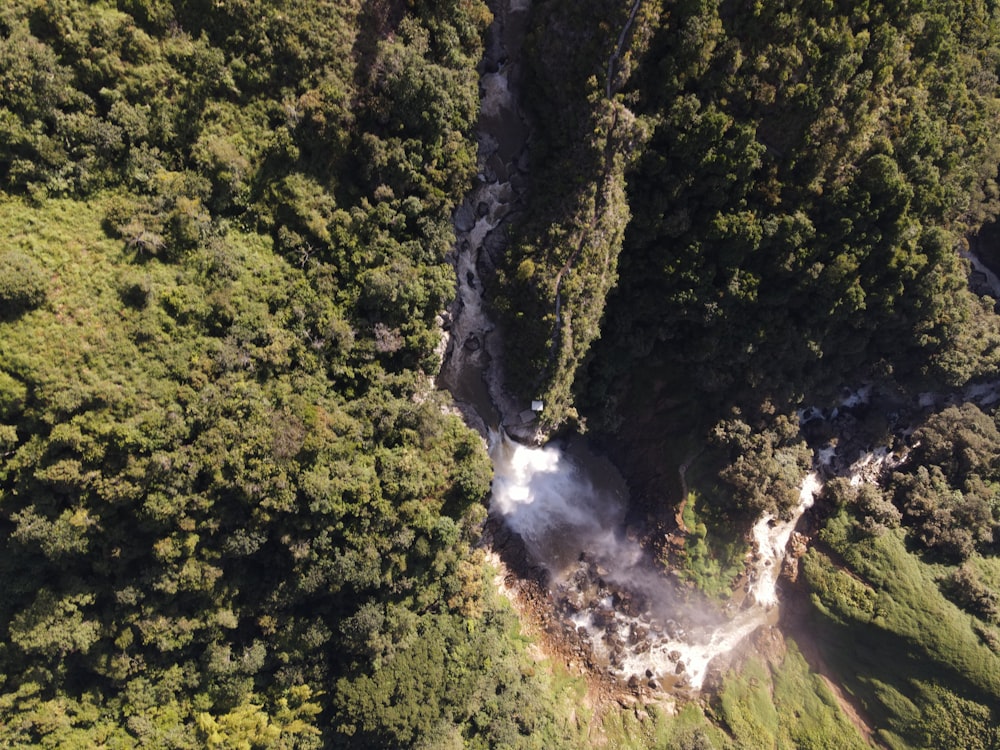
{"x": 471, "y": 369}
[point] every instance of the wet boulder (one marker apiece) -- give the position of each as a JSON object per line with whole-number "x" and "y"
{"x": 465, "y": 218}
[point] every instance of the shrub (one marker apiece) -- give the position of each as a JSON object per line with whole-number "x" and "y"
{"x": 22, "y": 283}
{"x": 968, "y": 591}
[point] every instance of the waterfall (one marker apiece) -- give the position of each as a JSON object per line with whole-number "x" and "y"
{"x": 771, "y": 542}
{"x": 552, "y": 502}
{"x": 636, "y": 620}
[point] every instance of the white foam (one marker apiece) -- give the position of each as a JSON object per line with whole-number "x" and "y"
{"x": 575, "y": 530}
{"x": 771, "y": 542}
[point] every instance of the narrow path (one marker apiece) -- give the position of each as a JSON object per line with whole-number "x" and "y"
{"x": 794, "y": 625}
{"x": 618, "y": 49}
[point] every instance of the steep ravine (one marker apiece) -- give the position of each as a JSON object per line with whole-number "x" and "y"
{"x": 559, "y": 512}
{"x": 472, "y": 370}
{"x": 561, "y": 519}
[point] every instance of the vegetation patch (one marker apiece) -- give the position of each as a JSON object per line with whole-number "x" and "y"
{"x": 713, "y": 558}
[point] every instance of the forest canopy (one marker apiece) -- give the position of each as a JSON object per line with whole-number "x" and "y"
{"x": 234, "y": 511}
{"x": 796, "y": 178}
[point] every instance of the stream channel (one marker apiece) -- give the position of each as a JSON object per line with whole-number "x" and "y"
{"x": 565, "y": 504}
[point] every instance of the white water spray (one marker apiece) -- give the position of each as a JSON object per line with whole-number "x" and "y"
{"x": 635, "y": 619}
{"x": 555, "y": 508}
{"x": 771, "y": 542}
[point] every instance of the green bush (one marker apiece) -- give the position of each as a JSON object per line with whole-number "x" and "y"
{"x": 22, "y": 283}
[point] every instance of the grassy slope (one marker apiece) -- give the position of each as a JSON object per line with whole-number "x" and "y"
{"x": 910, "y": 655}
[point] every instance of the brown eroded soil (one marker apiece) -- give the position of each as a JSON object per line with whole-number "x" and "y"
{"x": 526, "y": 588}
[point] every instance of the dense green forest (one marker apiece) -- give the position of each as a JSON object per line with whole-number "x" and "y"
{"x": 234, "y": 511}
{"x": 798, "y": 175}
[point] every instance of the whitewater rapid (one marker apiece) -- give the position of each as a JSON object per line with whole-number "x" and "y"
{"x": 635, "y": 619}
{"x": 771, "y": 538}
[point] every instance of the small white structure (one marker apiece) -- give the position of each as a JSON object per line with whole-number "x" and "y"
{"x": 537, "y": 406}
